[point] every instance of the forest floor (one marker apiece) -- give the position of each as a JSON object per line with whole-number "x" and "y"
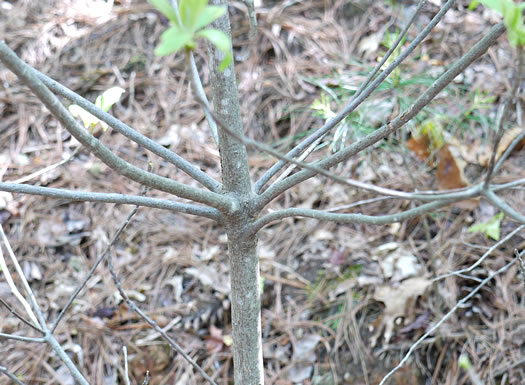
{"x": 342, "y": 304}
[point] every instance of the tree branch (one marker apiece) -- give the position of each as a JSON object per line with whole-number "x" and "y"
{"x": 356, "y": 100}
{"x": 483, "y": 257}
{"x": 131, "y": 134}
{"x": 351, "y": 218}
{"x": 11, "y": 376}
{"x": 24, "y": 72}
{"x": 503, "y": 206}
{"x": 475, "y": 52}
{"x": 163, "y": 204}
{"x": 22, "y": 338}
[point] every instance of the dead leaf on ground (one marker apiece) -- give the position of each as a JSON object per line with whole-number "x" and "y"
{"x": 399, "y": 302}
{"x": 503, "y": 144}
{"x": 450, "y": 170}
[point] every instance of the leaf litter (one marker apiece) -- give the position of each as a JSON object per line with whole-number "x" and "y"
{"x": 319, "y": 298}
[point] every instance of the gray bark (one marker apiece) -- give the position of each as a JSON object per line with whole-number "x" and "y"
{"x": 242, "y": 246}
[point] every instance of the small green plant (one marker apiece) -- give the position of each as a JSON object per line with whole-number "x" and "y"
{"x": 189, "y": 25}
{"x": 491, "y": 229}
{"x": 388, "y": 42}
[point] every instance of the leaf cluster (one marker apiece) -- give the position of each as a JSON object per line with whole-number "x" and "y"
{"x": 189, "y": 25}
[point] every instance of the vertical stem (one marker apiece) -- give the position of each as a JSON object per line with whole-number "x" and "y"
{"x": 242, "y": 248}
{"x": 234, "y": 159}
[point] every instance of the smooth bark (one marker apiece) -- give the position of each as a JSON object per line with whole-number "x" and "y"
{"x": 242, "y": 246}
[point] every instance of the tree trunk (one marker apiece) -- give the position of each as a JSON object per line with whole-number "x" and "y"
{"x": 242, "y": 249}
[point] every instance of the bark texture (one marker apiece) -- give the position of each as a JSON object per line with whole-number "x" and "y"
{"x": 242, "y": 248}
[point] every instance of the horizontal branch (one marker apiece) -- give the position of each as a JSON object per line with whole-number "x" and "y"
{"x": 24, "y": 72}
{"x": 22, "y": 338}
{"x": 72, "y": 195}
{"x": 474, "y": 53}
{"x": 348, "y": 218}
{"x": 358, "y": 98}
{"x": 132, "y": 134}
{"x": 509, "y": 185}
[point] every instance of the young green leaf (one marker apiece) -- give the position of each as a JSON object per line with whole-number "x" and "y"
{"x": 492, "y": 4}
{"x": 209, "y": 15}
{"x": 109, "y": 97}
{"x": 512, "y": 17}
{"x": 221, "y": 41}
{"x": 190, "y": 10}
{"x": 173, "y": 39}
{"x": 166, "y": 9}
{"x": 103, "y": 101}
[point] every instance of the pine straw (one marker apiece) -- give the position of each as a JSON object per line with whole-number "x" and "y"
{"x": 300, "y": 259}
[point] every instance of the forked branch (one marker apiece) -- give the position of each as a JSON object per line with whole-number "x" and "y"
{"x": 358, "y": 98}
{"x": 474, "y": 53}
{"x": 134, "y": 173}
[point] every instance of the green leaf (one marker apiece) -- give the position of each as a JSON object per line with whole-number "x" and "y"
{"x": 104, "y": 102}
{"x": 190, "y": 11}
{"x": 108, "y": 98}
{"x": 221, "y": 41}
{"x": 166, "y": 9}
{"x": 87, "y": 119}
{"x": 491, "y": 228}
{"x": 493, "y": 4}
{"x": 473, "y": 5}
{"x": 464, "y": 362}
{"x": 174, "y": 39}
{"x": 209, "y": 15}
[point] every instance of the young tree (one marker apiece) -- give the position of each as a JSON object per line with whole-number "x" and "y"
{"x": 237, "y": 203}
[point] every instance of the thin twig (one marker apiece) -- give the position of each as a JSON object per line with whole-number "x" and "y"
{"x": 503, "y": 206}
{"x": 483, "y": 257}
{"x": 14, "y": 312}
{"x": 97, "y": 262}
{"x": 518, "y": 74}
{"x": 74, "y": 195}
{"x": 9, "y": 278}
{"x": 48, "y": 168}
{"x": 154, "y": 325}
{"x": 22, "y": 338}
{"x": 11, "y": 376}
{"x": 443, "y": 319}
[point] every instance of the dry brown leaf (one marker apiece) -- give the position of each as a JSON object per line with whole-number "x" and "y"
{"x": 419, "y": 146}
{"x": 504, "y": 143}
{"x": 450, "y": 170}
{"x": 399, "y": 302}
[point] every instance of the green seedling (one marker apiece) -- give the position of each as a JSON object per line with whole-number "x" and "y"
{"x": 189, "y": 25}
{"x": 491, "y": 229}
